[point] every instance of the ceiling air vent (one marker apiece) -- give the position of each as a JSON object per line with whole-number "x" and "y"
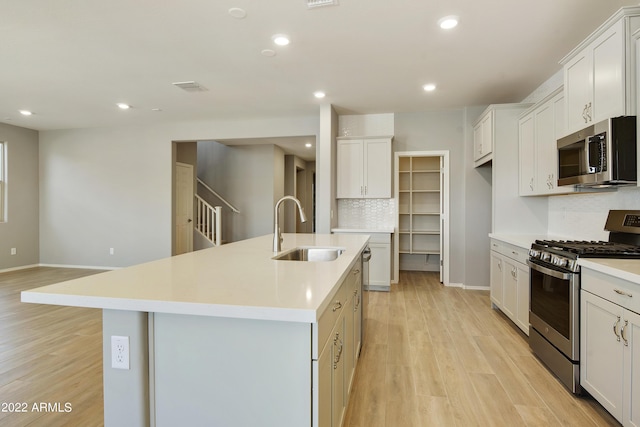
{"x": 317, "y": 3}
{"x": 190, "y": 86}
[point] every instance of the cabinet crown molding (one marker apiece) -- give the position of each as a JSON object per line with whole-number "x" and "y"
{"x": 626, "y": 11}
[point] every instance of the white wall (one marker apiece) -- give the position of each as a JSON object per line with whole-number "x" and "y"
{"x": 443, "y": 130}
{"x": 111, "y": 187}
{"x": 20, "y": 231}
{"x": 247, "y": 176}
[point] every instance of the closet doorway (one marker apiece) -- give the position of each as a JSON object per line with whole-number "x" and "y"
{"x": 422, "y": 222}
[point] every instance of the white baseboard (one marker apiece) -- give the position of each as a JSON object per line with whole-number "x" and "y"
{"x": 468, "y": 288}
{"x": 85, "y": 267}
{"x": 22, "y": 267}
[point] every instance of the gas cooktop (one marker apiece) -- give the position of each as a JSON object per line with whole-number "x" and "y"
{"x": 591, "y": 249}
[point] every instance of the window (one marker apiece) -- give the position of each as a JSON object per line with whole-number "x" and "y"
{"x": 3, "y": 179}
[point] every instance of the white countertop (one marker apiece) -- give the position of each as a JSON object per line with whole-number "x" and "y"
{"x": 237, "y": 280}
{"x": 626, "y": 269}
{"x": 521, "y": 240}
{"x": 389, "y": 230}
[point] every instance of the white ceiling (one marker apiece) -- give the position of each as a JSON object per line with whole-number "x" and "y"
{"x": 71, "y": 61}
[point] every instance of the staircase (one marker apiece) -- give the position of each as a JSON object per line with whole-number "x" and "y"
{"x": 209, "y": 218}
{"x": 209, "y": 221}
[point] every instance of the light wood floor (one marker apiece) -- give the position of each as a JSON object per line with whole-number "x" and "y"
{"x": 437, "y": 356}
{"x": 433, "y": 356}
{"x": 48, "y": 354}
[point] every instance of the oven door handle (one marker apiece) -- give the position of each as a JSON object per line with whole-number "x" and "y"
{"x": 553, "y": 273}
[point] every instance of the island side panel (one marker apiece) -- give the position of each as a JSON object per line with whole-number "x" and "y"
{"x": 213, "y": 371}
{"x": 126, "y": 392}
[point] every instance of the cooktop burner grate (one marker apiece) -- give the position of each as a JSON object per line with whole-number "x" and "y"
{"x": 593, "y": 248}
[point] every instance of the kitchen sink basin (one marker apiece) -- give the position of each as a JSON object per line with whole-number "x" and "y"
{"x": 311, "y": 254}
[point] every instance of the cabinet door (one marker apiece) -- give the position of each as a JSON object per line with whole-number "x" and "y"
{"x": 487, "y": 134}
{"x": 496, "y": 273}
{"x": 349, "y": 169}
{"x": 608, "y": 53}
{"x": 322, "y": 376}
{"x": 348, "y": 353}
{"x": 377, "y": 168}
{"x": 338, "y": 396}
{"x": 631, "y": 393}
{"x": 510, "y": 289}
{"x": 526, "y": 155}
{"x": 578, "y": 87}
{"x": 380, "y": 266}
{"x": 522, "y": 314}
{"x": 601, "y": 364}
{"x": 477, "y": 141}
{"x": 546, "y": 147}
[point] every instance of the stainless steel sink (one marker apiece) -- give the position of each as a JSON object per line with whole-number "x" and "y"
{"x": 310, "y": 253}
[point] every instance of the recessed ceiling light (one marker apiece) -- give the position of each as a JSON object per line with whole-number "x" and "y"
{"x": 156, "y": 109}
{"x": 26, "y": 112}
{"x": 268, "y": 52}
{"x": 237, "y": 13}
{"x": 429, "y": 87}
{"x": 448, "y": 22}
{"x": 280, "y": 39}
{"x": 308, "y": 145}
{"x": 319, "y": 94}
{"x": 123, "y": 106}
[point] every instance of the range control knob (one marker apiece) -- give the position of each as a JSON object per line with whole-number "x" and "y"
{"x": 559, "y": 261}
{"x": 545, "y": 256}
{"x": 533, "y": 253}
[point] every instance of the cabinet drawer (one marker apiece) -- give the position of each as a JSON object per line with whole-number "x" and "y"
{"x": 514, "y": 252}
{"x": 332, "y": 312}
{"x": 618, "y": 291}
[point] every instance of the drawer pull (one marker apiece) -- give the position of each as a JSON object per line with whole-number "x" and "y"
{"x": 615, "y": 328}
{"x": 622, "y": 333}
{"x": 356, "y": 271}
{"x": 626, "y": 294}
{"x": 337, "y": 306}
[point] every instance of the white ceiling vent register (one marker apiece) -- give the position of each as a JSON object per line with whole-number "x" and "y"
{"x": 190, "y": 86}
{"x": 317, "y": 3}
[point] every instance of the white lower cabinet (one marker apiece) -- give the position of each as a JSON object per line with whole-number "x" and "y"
{"x": 510, "y": 282}
{"x": 380, "y": 263}
{"x": 610, "y": 345}
{"x": 334, "y": 370}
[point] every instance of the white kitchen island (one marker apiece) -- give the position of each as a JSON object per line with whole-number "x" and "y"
{"x": 228, "y": 336}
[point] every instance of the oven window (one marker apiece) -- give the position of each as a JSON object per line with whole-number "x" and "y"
{"x": 550, "y": 301}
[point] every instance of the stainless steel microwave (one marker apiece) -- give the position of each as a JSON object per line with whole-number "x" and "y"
{"x": 604, "y": 154}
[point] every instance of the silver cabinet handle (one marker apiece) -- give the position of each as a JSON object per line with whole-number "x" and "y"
{"x": 356, "y": 271}
{"x": 626, "y": 294}
{"x": 356, "y": 294}
{"x": 337, "y": 306}
{"x": 500, "y": 265}
{"x": 615, "y": 328}
{"x": 622, "y": 333}
{"x": 336, "y": 358}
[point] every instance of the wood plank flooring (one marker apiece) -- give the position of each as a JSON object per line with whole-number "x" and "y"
{"x": 48, "y": 354}
{"x": 433, "y": 356}
{"x": 437, "y": 356}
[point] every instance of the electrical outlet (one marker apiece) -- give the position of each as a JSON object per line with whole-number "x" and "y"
{"x": 119, "y": 352}
{"x": 14, "y": 251}
{"x": 111, "y": 251}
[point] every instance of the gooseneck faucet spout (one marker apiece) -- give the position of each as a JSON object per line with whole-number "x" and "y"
{"x": 277, "y": 236}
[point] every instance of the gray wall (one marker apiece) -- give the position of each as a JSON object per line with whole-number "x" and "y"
{"x": 469, "y": 192}
{"x": 250, "y": 177}
{"x": 20, "y": 231}
{"x": 107, "y": 188}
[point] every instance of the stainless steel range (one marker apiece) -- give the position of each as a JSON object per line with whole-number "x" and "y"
{"x": 554, "y": 310}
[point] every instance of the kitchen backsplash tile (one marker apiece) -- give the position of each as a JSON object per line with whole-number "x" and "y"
{"x": 582, "y": 216}
{"x": 366, "y": 213}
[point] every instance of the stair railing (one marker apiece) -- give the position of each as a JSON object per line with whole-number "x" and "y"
{"x": 209, "y": 221}
{"x": 212, "y": 191}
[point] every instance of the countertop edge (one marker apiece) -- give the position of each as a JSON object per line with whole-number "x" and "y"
{"x": 602, "y": 265}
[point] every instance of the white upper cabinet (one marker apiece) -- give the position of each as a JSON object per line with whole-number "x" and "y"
{"x": 364, "y": 168}
{"x": 539, "y": 129}
{"x": 598, "y": 77}
{"x": 483, "y": 139}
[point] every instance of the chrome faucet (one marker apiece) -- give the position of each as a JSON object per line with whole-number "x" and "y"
{"x": 277, "y": 236}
